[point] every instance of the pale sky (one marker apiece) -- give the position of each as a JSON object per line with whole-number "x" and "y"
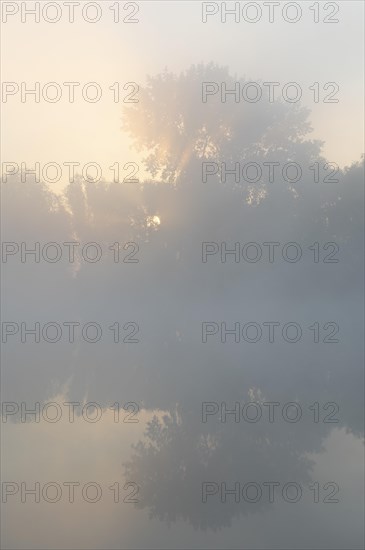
{"x": 106, "y": 52}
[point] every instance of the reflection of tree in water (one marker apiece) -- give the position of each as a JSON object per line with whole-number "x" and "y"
{"x": 174, "y": 460}
{"x": 171, "y": 292}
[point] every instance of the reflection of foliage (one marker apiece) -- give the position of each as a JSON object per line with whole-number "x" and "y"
{"x": 169, "y": 467}
{"x": 174, "y": 459}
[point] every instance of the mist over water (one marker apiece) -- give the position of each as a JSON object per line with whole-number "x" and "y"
{"x": 185, "y": 333}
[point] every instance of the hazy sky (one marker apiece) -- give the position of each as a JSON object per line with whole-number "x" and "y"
{"x": 171, "y": 35}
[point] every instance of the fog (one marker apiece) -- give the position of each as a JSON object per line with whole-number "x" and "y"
{"x": 220, "y": 277}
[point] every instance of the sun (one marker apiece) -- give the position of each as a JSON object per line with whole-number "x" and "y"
{"x": 153, "y": 221}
